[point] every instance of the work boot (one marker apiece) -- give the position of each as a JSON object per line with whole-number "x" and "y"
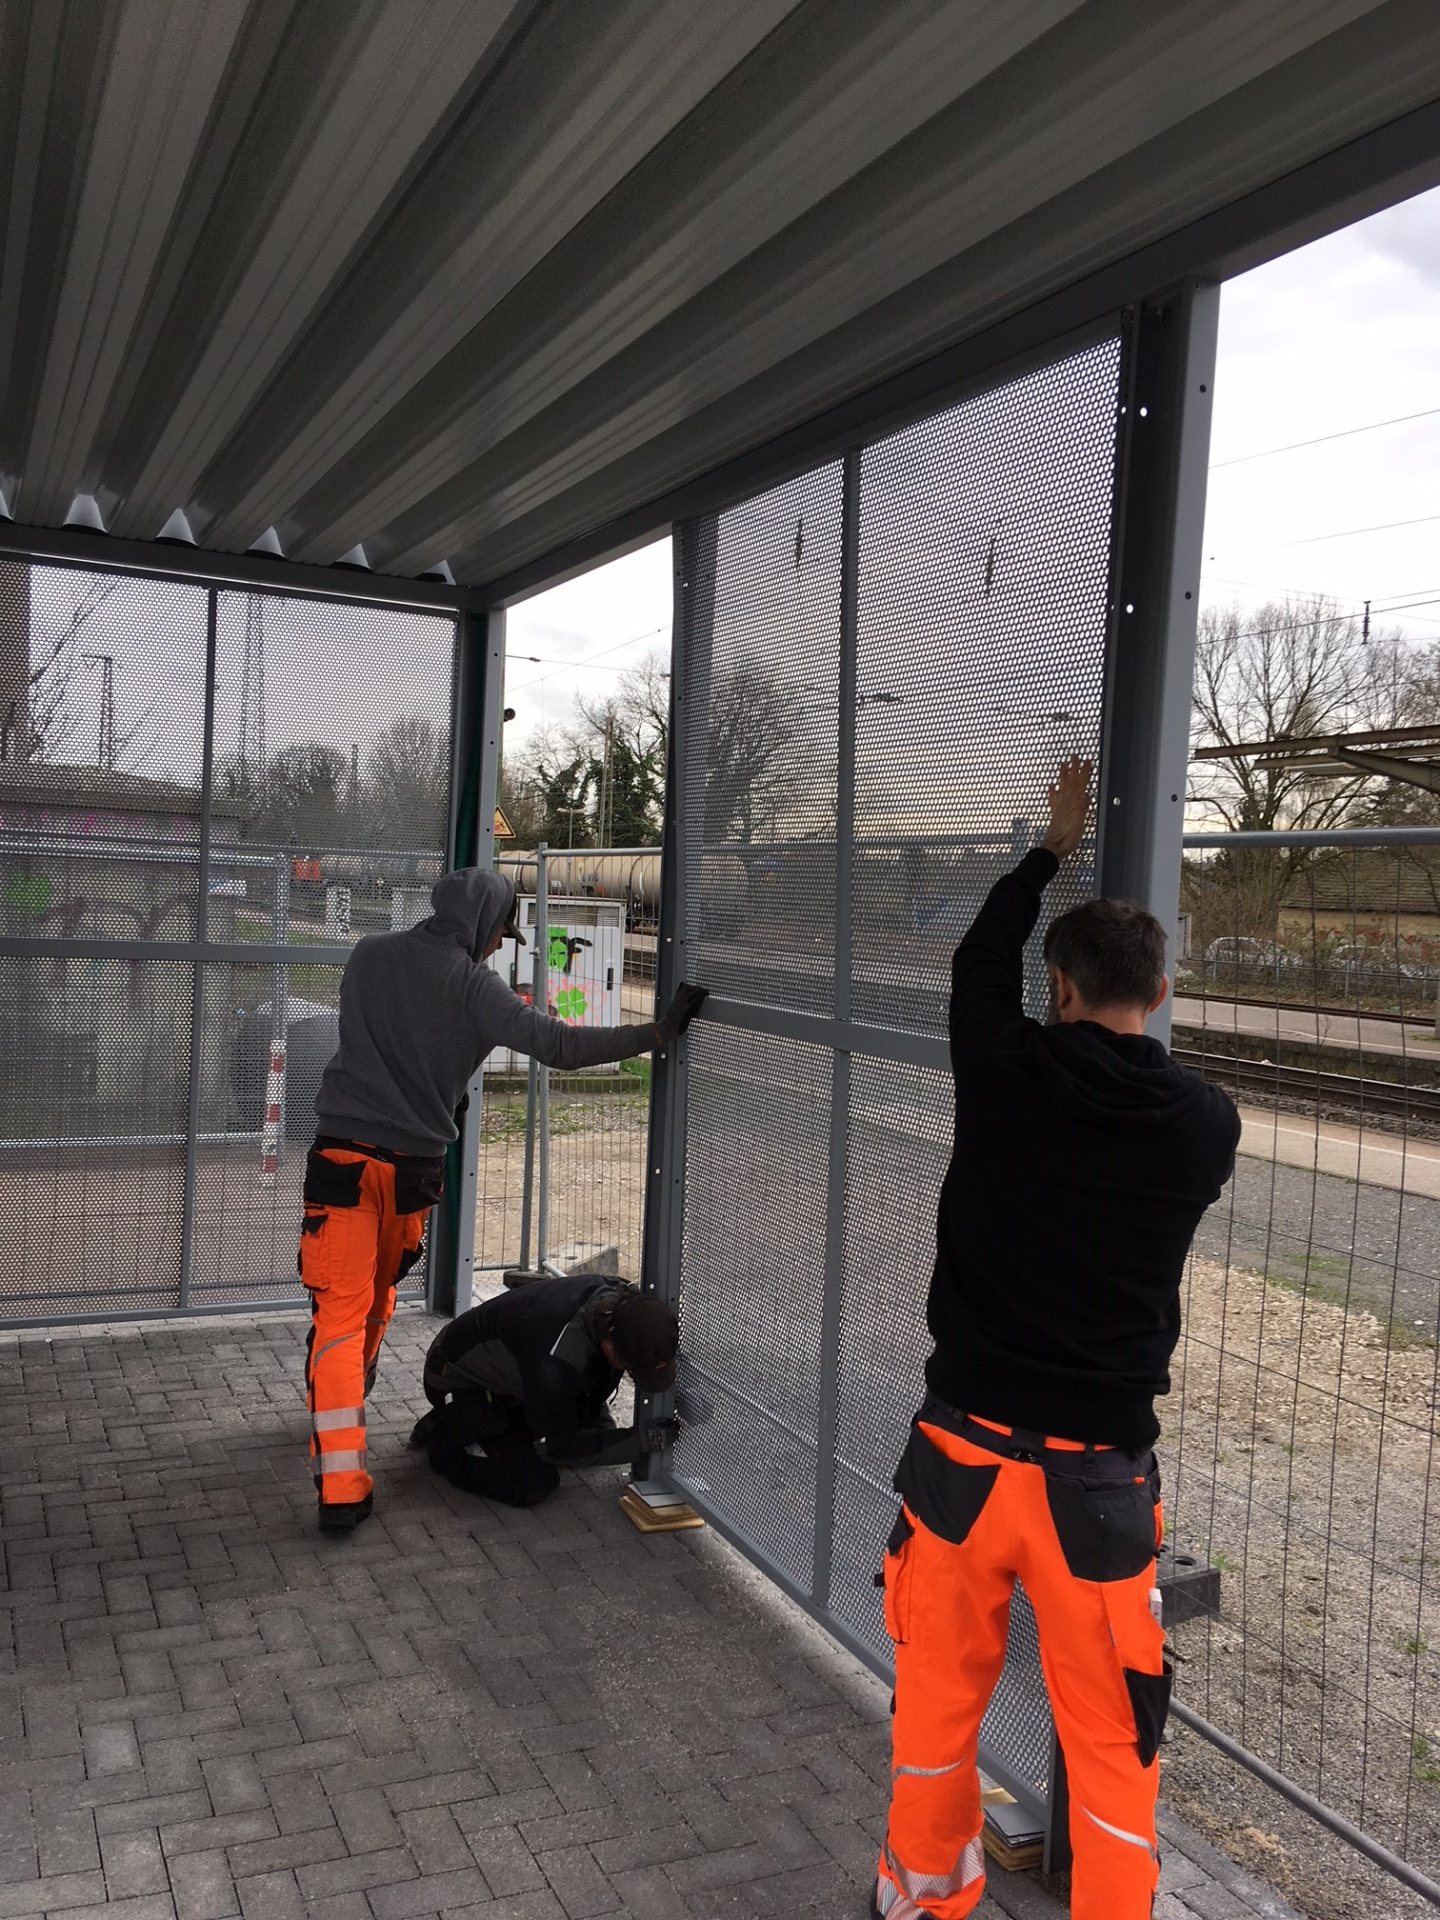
{"x": 344, "y": 1516}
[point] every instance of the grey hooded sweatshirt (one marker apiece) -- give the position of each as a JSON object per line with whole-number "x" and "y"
{"x": 418, "y": 1014}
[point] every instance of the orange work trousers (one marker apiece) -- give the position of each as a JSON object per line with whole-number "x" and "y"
{"x": 1080, "y": 1527}
{"x": 364, "y": 1226}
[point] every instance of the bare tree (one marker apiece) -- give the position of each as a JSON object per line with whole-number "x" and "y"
{"x": 406, "y": 784}
{"x": 754, "y": 764}
{"x": 1286, "y": 671}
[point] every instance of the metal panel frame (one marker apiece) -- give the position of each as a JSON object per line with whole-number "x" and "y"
{"x": 478, "y": 668}
{"x": 1158, "y": 503}
{"x": 1155, "y": 596}
{"x": 470, "y": 841}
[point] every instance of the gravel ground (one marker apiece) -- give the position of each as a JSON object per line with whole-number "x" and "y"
{"x": 1299, "y": 1442}
{"x": 1364, "y": 1246}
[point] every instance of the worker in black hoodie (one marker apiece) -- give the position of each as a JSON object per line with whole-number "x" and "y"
{"x": 419, "y": 1012}
{"x": 1084, "y": 1158}
{"x": 520, "y": 1385}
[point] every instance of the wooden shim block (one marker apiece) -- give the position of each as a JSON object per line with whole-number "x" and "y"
{"x": 675, "y": 1517}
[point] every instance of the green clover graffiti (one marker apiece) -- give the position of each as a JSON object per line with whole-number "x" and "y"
{"x": 570, "y": 1003}
{"x": 559, "y": 948}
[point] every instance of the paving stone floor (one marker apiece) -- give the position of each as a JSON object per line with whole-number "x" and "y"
{"x": 209, "y": 1710}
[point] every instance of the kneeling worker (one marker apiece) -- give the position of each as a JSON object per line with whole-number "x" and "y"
{"x": 419, "y": 1012}
{"x": 519, "y": 1385}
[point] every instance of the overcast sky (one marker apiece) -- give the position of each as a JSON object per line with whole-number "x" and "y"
{"x": 1342, "y": 334}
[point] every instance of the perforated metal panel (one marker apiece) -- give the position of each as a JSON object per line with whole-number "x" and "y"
{"x": 754, "y": 1264}
{"x": 761, "y": 649}
{"x": 934, "y": 609}
{"x": 984, "y": 554}
{"x": 136, "y": 1033}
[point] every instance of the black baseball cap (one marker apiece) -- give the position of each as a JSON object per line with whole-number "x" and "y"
{"x": 646, "y": 1336}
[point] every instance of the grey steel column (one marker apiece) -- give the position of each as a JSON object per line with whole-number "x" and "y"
{"x": 1164, "y": 451}
{"x": 694, "y": 549}
{"x": 202, "y": 933}
{"x": 540, "y": 1077}
{"x": 848, "y": 698}
{"x": 478, "y": 688}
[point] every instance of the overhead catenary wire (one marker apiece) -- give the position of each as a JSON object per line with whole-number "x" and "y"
{"x": 633, "y": 640}
{"x": 1319, "y": 439}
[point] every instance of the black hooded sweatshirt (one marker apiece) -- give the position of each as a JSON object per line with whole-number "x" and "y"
{"x": 419, "y": 1012}
{"x": 1083, "y": 1162}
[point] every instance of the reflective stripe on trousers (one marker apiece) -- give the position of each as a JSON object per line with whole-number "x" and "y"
{"x": 354, "y": 1246}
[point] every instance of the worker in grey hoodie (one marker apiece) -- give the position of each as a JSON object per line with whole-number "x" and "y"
{"x": 419, "y": 1012}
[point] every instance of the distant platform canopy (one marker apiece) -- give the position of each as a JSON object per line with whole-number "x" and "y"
{"x": 448, "y": 287}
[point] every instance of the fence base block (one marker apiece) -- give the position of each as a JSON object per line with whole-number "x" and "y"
{"x": 1190, "y": 1586}
{"x": 654, "y": 1509}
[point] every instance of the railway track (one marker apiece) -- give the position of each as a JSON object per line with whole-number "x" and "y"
{"x": 1238, "y": 1075}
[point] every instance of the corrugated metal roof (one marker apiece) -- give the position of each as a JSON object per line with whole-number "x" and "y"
{"x": 462, "y": 279}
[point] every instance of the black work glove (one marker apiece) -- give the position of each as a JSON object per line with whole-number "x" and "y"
{"x": 680, "y": 1012}
{"x": 660, "y": 1434}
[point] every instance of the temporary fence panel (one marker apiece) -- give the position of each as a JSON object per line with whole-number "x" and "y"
{"x": 881, "y": 663}
{"x": 587, "y": 1129}
{"x": 1300, "y": 1435}
{"x": 206, "y": 796}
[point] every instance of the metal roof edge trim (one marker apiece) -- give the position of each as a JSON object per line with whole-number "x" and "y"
{"x": 1353, "y": 180}
{"x": 108, "y": 553}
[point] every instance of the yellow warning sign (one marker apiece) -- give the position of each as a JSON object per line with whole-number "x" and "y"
{"x": 503, "y": 828}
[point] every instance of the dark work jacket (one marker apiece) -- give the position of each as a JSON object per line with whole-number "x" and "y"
{"x": 537, "y": 1346}
{"x": 419, "y": 1013}
{"x": 1083, "y": 1162}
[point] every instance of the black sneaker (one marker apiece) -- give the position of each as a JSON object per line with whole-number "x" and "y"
{"x": 424, "y": 1430}
{"x": 344, "y": 1516}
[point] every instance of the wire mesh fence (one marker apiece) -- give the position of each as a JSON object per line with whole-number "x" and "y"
{"x": 189, "y": 776}
{"x": 1300, "y": 1436}
{"x": 561, "y": 1170}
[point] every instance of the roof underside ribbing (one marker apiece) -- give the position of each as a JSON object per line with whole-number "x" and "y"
{"x": 460, "y": 280}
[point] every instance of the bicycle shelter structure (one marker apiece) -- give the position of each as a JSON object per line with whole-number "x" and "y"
{"x": 902, "y": 319}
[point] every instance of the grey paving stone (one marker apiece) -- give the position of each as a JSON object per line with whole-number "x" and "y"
{"x": 270, "y": 1896}
{"x": 357, "y": 1872}
{"x": 67, "y": 1842}
{"x": 52, "y": 1893}
{"x": 577, "y": 1882}
{"x": 465, "y": 1710}
{"x": 134, "y": 1864}
{"x": 203, "y": 1887}
{"x": 506, "y": 1861}
{"x": 435, "y": 1840}
{"x": 366, "y": 1821}
{"x": 1216, "y": 1903}
{"x": 153, "y": 1810}
{"x": 430, "y": 1893}
{"x": 223, "y": 1830}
